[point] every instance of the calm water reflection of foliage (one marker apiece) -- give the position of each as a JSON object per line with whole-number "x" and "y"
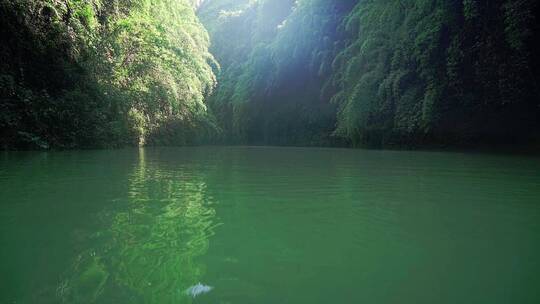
{"x": 148, "y": 251}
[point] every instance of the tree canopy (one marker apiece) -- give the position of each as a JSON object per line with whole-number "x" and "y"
{"x": 86, "y": 73}
{"x": 379, "y": 72}
{"x": 80, "y": 73}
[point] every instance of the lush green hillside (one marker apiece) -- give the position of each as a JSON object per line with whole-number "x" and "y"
{"x": 93, "y": 73}
{"x": 377, "y": 72}
{"x": 86, "y": 73}
{"x": 271, "y": 54}
{"x": 438, "y": 71}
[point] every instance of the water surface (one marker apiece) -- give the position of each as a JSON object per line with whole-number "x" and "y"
{"x": 269, "y": 225}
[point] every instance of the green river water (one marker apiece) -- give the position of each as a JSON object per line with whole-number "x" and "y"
{"x": 269, "y": 225}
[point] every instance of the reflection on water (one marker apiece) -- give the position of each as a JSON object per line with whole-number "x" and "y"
{"x": 302, "y": 226}
{"x": 148, "y": 251}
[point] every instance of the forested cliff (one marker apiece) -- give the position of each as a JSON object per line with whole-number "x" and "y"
{"x": 81, "y": 73}
{"x": 385, "y": 72}
{"x": 87, "y": 73}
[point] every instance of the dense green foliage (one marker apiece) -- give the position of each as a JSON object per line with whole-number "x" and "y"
{"x": 437, "y": 71}
{"x": 80, "y": 73}
{"x": 377, "y": 72}
{"x": 271, "y": 77}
